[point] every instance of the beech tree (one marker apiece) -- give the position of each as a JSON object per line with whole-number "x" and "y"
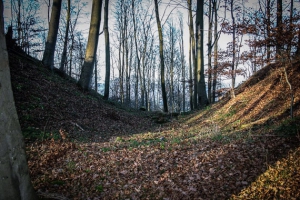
{"x": 202, "y": 96}
{"x": 107, "y": 51}
{"x": 15, "y": 181}
{"x": 91, "y": 49}
{"x": 48, "y": 57}
{"x": 162, "y": 62}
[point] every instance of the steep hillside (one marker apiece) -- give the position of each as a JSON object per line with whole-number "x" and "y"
{"x": 47, "y": 104}
{"x": 241, "y": 148}
{"x": 263, "y": 101}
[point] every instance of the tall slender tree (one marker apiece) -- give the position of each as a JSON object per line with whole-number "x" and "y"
{"x": 48, "y": 57}
{"x": 193, "y": 54}
{"x": 202, "y": 96}
{"x": 107, "y": 51}
{"x": 14, "y": 174}
{"x": 162, "y": 61}
{"x": 233, "y": 73}
{"x": 91, "y": 49}
{"x": 216, "y": 38}
{"x": 209, "y": 46}
{"x": 279, "y": 29}
{"x": 182, "y": 60}
{"x": 63, "y": 62}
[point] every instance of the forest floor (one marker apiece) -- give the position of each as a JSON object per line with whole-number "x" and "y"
{"x": 82, "y": 147}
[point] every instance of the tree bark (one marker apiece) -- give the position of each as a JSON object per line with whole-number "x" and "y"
{"x": 202, "y": 96}
{"x": 162, "y": 62}
{"x": 107, "y": 51}
{"x": 91, "y": 49}
{"x": 48, "y": 57}
{"x": 14, "y": 175}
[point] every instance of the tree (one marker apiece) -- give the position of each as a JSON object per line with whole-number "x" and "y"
{"x": 162, "y": 62}
{"x": 182, "y": 60}
{"x": 107, "y": 51}
{"x": 15, "y": 181}
{"x": 216, "y": 38}
{"x": 202, "y": 97}
{"x": 48, "y": 57}
{"x": 91, "y": 48}
{"x": 209, "y": 53}
{"x": 279, "y": 29}
{"x": 193, "y": 54}
{"x": 63, "y": 62}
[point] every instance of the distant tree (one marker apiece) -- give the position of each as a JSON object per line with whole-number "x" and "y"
{"x": 107, "y": 51}
{"x": 138, "y": 59}
{"x": 182, "y": 61}
{"x": 48, "y": 58}
{"x": 279, "y": 29}
{"x": 233, "y": 73}
{"x": 15, "y": 181}
{"x": 162, "y": 62}
{"x": 28, "y": 26}
{"x": 63, "y": 61}
{"x": 91, "y": 49}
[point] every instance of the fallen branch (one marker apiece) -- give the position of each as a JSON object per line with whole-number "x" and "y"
{"x": 77, "y": 126}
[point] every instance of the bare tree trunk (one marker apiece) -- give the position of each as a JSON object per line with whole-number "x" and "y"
{"x": 181, "y": 45}
{"x": 172, "y": 68}
{"x": 48, "y": 57}
{"x": 107, "y": 51}
{"x": 209, "y": 45}
{"x": 128, "y": 71}
{"x": 268, "y": 30}
{"x": 216, "y": 38}
{"x": 202, "y": 96}
{"x": 71, "y": 55}
{"x": 19, "y": 22}
{"x": 162, "y": 62}
{"x": 279, "y": 29}
{"x": 289, "y": 48}
{"x": 63, "y": 62}
{"x": 87, "y": 68}
{"x": 96, "y": 74}
{"x": 193, "y": 47}
{"x": 121, "y": 75}
{"x": 233, "y": 50}
{"x": 191, "y": 75}
{"x": 138, "y": 67}
{"x": 14, "y": 174}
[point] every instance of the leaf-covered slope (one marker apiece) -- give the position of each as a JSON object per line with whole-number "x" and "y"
{"x": 263, "y": 100}
{"x": 229, "y": 150}
{"x": 47, "y": 103}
